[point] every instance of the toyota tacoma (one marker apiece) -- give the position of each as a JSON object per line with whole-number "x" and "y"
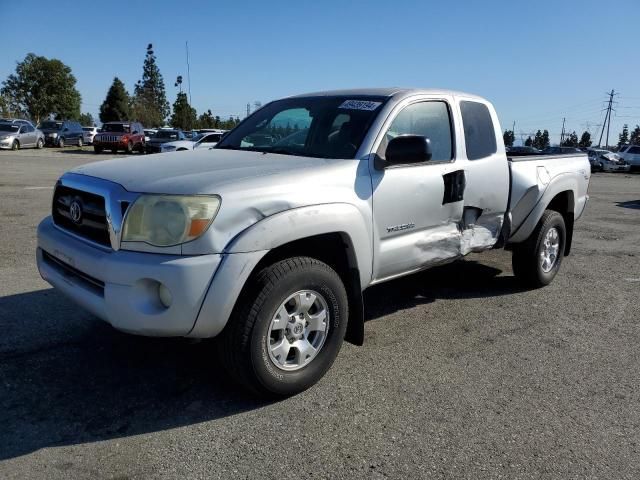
{"x": 268, "y": 240}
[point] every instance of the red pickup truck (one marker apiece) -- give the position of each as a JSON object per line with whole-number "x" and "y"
{"x": 127, "y": 136}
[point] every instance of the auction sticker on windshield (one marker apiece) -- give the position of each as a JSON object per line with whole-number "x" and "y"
{"x": 359, "y": 105}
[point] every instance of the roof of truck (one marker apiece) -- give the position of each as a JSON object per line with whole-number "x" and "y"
{"x": 385, "y": 92}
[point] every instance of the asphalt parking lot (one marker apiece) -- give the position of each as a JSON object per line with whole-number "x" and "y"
{"x": 463, "y": 373}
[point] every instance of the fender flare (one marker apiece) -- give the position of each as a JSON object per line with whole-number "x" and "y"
{"x": 244, "y": 252}
{"x": 303, "y": 222}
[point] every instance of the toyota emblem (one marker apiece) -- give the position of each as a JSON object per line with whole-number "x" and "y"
{"x": 75, "y": 212}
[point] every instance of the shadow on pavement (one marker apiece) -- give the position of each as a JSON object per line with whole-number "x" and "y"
{"x": 67, "y": 378}
{"x": 635, "y": 204}
{"x": 462, "y": 279}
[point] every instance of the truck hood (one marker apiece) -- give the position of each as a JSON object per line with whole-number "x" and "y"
{"x": 197, "y": 171}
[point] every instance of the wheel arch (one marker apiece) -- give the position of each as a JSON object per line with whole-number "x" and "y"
{"x": 559, "y": 196}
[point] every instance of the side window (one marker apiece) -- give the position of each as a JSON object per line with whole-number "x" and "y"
{"x": 479, "y": 135}
{"x": 29, "y": 128}
{"x": 634, "y": 150}
{"x": 428, "y": 119}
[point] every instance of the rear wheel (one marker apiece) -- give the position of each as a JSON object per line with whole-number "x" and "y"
{"x": 287, "y": 327}
{"x": 537, "y": 260}
{"x": 97, "y": 149}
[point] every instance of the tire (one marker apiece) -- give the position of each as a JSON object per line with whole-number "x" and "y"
{"x": 80, "y": 143}
{"x": 530, "y": 264}
{"x": 15, "y": 145}
{"x": 61, "y": 143}
{"x": 129, "y": 149}
{"x": 97, "y": 149}
{"x": 39, "y": 144}
{"x": 247, "y": 343}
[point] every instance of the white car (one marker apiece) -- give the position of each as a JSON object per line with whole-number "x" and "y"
{"x": 606, "y": 161}
{"x": 88, "y": 133}
{"x": 203, "y": 140}
{"x": 631, "y": 155}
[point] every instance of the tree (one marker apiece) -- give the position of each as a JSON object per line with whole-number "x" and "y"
{"x": 42, "y": 87}
{"x": 4, "y": 107}
{"x": 528, "y": 142}
{"x": 623, "y": 138}
{"x": 116, "y": 104}
{"x": 545, "y": 140}
{"x": 570, "y": 140}
{"x": 634, "y": 139}
{"x": 207, "y": 120}
{"x": 150, "y": 104}
{"x": 184, "y": 115}
{"x": 86, "y": 119}
{"x": 537, "y": 140}
{"x": 585, "y": 140}
{"x": 509, "y": 137}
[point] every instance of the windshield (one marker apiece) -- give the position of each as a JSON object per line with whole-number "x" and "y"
{"x": 51, "y": 125}
{"x": 172, "y": 134}
{"x": 326, "y": 127}
{"x": 7, "y": 127}
{"x": 115, "y": 127}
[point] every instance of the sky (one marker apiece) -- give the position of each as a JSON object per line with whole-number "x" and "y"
{"x": 536, "y": 61}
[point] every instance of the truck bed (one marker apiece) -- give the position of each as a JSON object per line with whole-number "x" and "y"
{"x": 534, "y": 177}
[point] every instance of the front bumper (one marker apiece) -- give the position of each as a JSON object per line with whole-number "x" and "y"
{"x": 121, "y": 287}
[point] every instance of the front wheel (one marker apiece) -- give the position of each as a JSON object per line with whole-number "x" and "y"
{"x": 287, "y": 327}
{"x": 97, "y": 149}
{"x": 536, "y": 261}
{"x": 61, "y": 143}
{"x": 129, "y": 148}
{"x": 39, "y": 144}
{"x": 15, "y": 145}
{"x": 80, "y": 143}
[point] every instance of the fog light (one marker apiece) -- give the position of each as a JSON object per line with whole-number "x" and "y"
{"x": 165, "y": 295}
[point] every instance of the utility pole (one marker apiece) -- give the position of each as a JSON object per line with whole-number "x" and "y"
{"x": 607, "y": 118}
{"x": 186, "y": 44}
{"x": 248, "y": 109}
{"x": 562, "y": 134}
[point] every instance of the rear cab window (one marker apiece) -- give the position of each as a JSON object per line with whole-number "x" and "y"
{"x": 479, "y": 132}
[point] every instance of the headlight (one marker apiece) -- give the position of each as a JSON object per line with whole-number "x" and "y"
{"x": 168, "y": 148}
{"x": 167, "y": 220}
{"x": 52, "y": 135}
{"x": 4, "y": 137}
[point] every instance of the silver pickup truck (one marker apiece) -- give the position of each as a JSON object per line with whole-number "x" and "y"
{"x": 268, "y": 240}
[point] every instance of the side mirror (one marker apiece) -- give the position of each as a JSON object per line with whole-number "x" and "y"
{"x": 408, "y": 149}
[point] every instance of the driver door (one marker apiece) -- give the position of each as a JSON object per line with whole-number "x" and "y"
{"x": 417, "y": 207}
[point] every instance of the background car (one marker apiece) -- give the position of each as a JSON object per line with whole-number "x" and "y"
{"x": 148, "y": 133}
{"x": 631, "y": 155}
{"x": 126, "y": 136}
{"x": 201, "y": 140}
{"x": 606, "y": 161}
{"x": 561, "y": 150}
{"x": 163, "y": 136}
{"x": 89, "y": 133}
{"x": 522, "y": 150}
{"x": 20, "y": 135}
{"x": 60, "y": 133}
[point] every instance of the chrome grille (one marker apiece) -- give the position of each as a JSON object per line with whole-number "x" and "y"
{"x": 109, "y": 138}
{"x": 92, "y": 224}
